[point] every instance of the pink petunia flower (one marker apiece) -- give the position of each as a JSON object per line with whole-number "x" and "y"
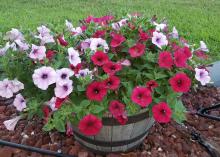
{"x": 111, "y": 68}
{"x": 19, "y": 102}
{"x": 96, "y": 91}
{"x": 99, "y": 58}
{"x": 165, "y": 60}
{"x": 43, "y": 77}
{"x": 13, "y": 35}
{"x": 38, "y": 52}
{"x": 62, "y": 91}
{"x": 83, "y": 73}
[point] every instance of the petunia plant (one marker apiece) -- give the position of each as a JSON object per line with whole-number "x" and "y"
{"x": 104, "y": 66}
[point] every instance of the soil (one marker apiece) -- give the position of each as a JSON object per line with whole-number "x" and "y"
{"x": 167, "y": 140}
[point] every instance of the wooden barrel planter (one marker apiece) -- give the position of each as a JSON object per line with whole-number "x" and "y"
{"x": 115, "y": 138}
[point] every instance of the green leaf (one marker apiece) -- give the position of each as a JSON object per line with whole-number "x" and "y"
{"x": 85, "y": 103}
{"x": 59, "y": 125}
{"x": 96, "y": 109}
{"x": 179, "y": 112}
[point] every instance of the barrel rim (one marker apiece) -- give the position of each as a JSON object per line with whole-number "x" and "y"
{"x": 110, "y": 121}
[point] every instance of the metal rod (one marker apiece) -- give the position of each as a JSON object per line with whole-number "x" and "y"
{"x": 33, "y": 149}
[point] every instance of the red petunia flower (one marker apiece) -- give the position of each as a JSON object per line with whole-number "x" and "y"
{"x": 180, "y": 82}
{"x": 186, "y": 51}
{"x": 162, "y": 112}
{"x": 100, "y": 58}
{"x": 59, "y": 102}
{"x": 83, "y": 28}
{"x": 99, "y": 34}
{"x": 96, "y": 91}
{"x": 112, "y": 82}
{"x": 116, "y": 108}
{"x": 90, "y": 125}
{"x": 165, "y": 60}
{"x": 117, "y": 39}
{"x": 111, "y": 67}
{"x": 76, "y": 68}
{"x": 46, "y": 111}
{"x": 180, "y": 59}
{"x": 137, "y": 50}
{"x": 151, "y": 85}
{"x": 122, "y": 119}
{"x": 201, "y": 55}
{"x": 141, "y": 96}
{"x": 143, "y": 36}
{"x": 62, "y": 41}
{"x": 50, "y": 54}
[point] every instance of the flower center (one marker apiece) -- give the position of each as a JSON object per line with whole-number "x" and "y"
{"x": 179, "y": 82}
{"x": 96, "y": 91}
{"x": 112, "y": 68}
{"x": 90, "y": 123}
{"x": 82, "y": 74}
{"x": 163, "y": 112}
{"x": 65, "y": 88}
{"x": 63, "y": 76}
{"x": 201, "y": 74}
{"x": 35, "y": 51}
{"x": 44, "y": 76}
{"x": 158, "y": 40}
{"x": 139, "y": 96}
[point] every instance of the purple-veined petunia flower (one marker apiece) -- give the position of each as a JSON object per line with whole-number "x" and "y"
{"x": 98, "y": 42}
{"x": 63, "y": 75}
{"x": 159, "y": 39}
{"x": 202, "y": 76}
{"x": 11, "y": 123}
{"x": 174, "y": 33}
{"x": 38, "y": 52}
{"x": 6, "y": 89}
{"x": 83, "y": 73}
{"x": 74, "y": 58}
{"x": 4, "y": 49}
{"x": 16, "y": 85}
{"x": 62, "y": 91}
{"x": 75, "y": 31}
{"x": 44, "y": 35}
{"x": 116, "y": 26}
{"x": 43, "y": 77}
{"x": 22, "y": 46}
{"x": 19, "y": 102}
{"x": 203, "y": 46}
{"x": 13, "y": 35}
{"x": 85, "y": 44}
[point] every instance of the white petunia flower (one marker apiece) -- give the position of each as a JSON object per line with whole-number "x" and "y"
{"x": 52, "y": 103}
{"x": 43, "y": 30}
{"x": 63, "y": 75}
{"x": 202, "y": 76}
{"x": 69, "y": 26}
{"x": 11, "y": 123}
{"x": 38, "y": 52}
{"x": 74, "y": 58}
{"x": 159, "y": 39}
{"x": 19, "y": 102}
{"x": 4, "y": 49}
{"x": 175, "y": 34}
{"x": 43, "y": 77}
{"x": 16, "y": 86}
{"x": 62, "y": 91}
{"x": 44, "y": 35}
{"x": 6, "y": 89}
{"x": 160, "y": 27}
{"x": 203, "y": 46}
{"x": 84, "y": 73}
{"x": 98, "y": 42}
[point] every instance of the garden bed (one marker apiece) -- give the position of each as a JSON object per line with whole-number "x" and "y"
{"x": 163, "y": 140}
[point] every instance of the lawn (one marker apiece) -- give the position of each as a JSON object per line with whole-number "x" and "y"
{"x": 195, "y": 19}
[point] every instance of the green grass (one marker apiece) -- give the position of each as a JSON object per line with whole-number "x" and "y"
{"x": 195, "y": 19}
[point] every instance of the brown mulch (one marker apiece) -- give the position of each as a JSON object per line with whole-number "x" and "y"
{"x": 165, "y": 140}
